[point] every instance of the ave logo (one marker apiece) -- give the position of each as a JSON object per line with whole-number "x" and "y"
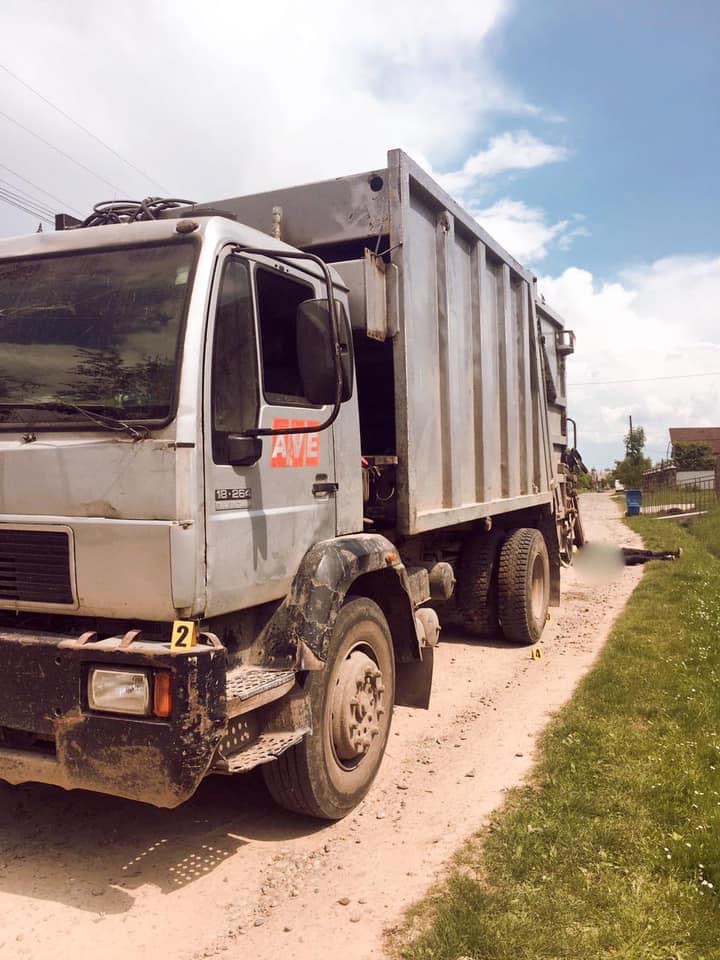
{"x": 295, "y": 449}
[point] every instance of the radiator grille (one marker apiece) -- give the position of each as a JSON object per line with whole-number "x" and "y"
{"x": 35, "y": 566}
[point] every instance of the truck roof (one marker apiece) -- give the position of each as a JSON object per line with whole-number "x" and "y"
{"x": 216, "y": 229}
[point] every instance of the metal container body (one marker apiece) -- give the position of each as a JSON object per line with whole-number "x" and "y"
{"x": 472, "y": 431}
{"x": 473, "y": 437}
{"x": 556, "y": 344}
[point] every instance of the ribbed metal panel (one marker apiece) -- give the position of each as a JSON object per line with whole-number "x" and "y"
{"x": 35, "y": 566}
{"x": 470, "y": 404}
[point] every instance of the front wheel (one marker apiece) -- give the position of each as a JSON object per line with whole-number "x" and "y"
{"x": 351, "y": 703}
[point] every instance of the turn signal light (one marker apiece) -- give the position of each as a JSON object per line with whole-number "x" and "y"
{"x": 162, "y": 693}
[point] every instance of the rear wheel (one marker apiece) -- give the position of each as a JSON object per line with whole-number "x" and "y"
{"x": 477, "y": 584}
{"x": 351, "y": 702}
{"x": 579, "y": 533}
{"x": 566, "y": 536}
{"x": 523, "y": 586}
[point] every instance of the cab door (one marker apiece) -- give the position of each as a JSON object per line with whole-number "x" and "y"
{"x": 261, "y": 518}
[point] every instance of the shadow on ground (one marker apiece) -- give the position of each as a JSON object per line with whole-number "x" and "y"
{"x": 92, "y": 852}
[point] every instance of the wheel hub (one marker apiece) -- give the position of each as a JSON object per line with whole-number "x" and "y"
{"x": 357, "y": 706}
{"x": 537, "y": 595}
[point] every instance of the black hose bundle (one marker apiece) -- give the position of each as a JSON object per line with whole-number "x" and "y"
{"x": 130, "y": 211}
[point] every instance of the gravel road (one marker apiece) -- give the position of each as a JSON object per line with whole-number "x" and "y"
{"x": 84, "y": 876}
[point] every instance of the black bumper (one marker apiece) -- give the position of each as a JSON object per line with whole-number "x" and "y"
{"x": 49, "y": 735}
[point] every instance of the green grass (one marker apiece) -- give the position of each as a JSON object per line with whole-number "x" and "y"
{"x": 613, "y": 850}
{"x": 707, "y": 529}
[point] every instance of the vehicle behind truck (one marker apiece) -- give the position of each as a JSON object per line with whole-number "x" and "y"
{"x": 252, "y": 455}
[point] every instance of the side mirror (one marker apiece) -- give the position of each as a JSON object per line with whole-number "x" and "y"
{"x": 316, "y": 354}
{"x": 243, "y": 451}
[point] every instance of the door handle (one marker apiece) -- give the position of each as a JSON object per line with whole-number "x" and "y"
{"x": 325, "y": 488}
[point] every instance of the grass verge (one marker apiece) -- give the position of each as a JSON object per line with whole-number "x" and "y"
{"x": 613, "y": 849}
{"x": 707, "y": 530}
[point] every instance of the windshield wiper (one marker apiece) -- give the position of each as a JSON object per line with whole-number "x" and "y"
{"x": 99, "y": 419}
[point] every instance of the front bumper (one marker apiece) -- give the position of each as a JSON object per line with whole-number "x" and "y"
{"x": 48, "y": 734}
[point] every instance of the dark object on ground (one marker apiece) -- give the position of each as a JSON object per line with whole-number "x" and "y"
{"x": 599, "y": 558}
{"x": 632, "y": 557}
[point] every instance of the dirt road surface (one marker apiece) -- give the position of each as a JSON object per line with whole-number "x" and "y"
{"x": 84, "y": 876}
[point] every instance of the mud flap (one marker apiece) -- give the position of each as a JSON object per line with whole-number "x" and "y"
{"x": 413, "y": 681}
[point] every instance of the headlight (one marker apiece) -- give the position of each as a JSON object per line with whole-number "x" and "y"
{"x": 119, "y": 691}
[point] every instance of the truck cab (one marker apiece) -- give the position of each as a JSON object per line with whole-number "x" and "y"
{"x": 164, "y": 462}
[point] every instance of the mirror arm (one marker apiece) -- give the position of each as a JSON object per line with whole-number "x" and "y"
{"x": 570, "y": 420}
{"x": 332, "y": 417}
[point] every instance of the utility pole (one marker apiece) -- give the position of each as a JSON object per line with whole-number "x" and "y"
{"x": 629, "y": 439}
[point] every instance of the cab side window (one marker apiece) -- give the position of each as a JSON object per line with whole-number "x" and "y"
{"x": 278, "y": 297}
{"x": 235, "y": 390}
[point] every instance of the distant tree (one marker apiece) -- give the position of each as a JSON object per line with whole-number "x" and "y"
{"x": 629, "y": 470}
{"x": 693, "y": 456}
{"x": 634, "y": 442}
{"x": 584, "y": 481}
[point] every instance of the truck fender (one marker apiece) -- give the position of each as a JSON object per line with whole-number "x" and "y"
{"x": 367, "y": 564}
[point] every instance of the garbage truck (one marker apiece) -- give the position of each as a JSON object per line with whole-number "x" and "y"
{"x": 253, "y": 453}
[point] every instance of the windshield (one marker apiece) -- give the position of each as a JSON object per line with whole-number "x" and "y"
{"x": 97, "y": 329}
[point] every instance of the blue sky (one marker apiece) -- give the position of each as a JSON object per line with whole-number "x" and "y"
{"x": 584, "y": 136}
{"x": 639, "y": 85}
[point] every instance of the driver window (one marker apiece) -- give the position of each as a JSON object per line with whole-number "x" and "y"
{"x": 278, "y": 299}
{"x": 235, "y": 390}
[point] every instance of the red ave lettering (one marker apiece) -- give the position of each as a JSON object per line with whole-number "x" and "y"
{"x": 295, "y": 449}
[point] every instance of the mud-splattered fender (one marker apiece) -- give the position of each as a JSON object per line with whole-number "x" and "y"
{"x": 365, "y": 563}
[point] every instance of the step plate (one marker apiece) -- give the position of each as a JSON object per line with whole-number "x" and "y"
{"x": 248, "y": 688}
{"x": 247, "y": 682}
{"x": 267, "y": 747}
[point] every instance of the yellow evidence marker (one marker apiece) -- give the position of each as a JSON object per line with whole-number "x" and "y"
{"x": 536, "y": 653}
{"x": 184, "y": 635}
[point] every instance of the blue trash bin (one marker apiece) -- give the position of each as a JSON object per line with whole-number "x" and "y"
{"x": 633, "y": 501}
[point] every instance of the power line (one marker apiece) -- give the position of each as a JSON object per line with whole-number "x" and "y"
{"x": 67, "y": 206}
{"x": 21, "y": 204}
{"x": 83, "y": 128}
{"x": 677, "y": 376}
{"x": 23, "y": 195}
{"x": 24, "y": 207}
{"x": 25, "y": 198}
{"x": 62, "y": 153}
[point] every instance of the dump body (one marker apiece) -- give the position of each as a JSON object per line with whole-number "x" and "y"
{"x": 556, "y": 343}
{"x": 463, "y": 381}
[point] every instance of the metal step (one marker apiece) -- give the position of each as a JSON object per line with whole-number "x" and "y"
{"x": 267, "y": 747}
{"x": 247, "y": 688}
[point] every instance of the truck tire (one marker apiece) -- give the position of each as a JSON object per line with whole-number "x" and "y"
{"x": 351, "y": 703}
{"x": 523, "y": 586}
{"x": 477, "y": 584}
{"x": 578, "y": 528}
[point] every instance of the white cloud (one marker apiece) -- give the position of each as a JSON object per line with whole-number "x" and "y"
{"x": 245, "y": 97}
{"x": 513, "y": 150}
{"x": 656, "y": 320}
{"x": 524, "y": 230}
{"x": 248, "y": 98}
{"x": 235, "y": 98}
